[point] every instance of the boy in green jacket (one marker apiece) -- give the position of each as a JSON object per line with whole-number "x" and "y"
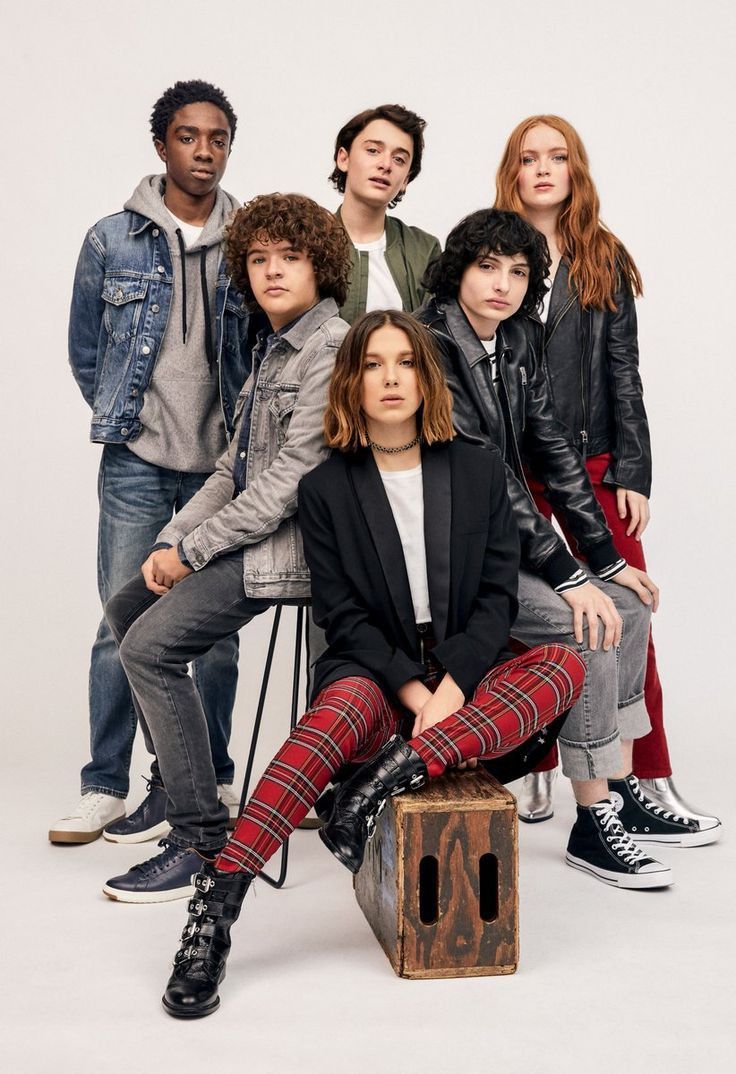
{"x": 377, "y": 154}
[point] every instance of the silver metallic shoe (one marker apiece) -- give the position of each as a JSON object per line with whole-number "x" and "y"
{"x": 534, "y": 800}
{"x": 664, "y": 792}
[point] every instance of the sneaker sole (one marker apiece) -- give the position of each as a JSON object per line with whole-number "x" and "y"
{"x": 691, "y": 839}
{"x": 178, "y": 1012}
{"x": 138, "y": 837}
{"x": 662, "y": 879}
{"x": 148, "y": 896}
{"x": 74, "y": 837}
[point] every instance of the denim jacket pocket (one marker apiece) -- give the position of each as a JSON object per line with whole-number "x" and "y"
{"x": 281, "y": 407}
{"x": 123, "y": 297}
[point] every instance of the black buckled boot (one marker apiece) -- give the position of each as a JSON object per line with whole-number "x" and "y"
{"x": 359, "y": 801}
{"x": 199, "y": 965}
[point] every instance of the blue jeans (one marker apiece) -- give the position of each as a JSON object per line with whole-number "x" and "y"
{"x": 137, "y": 499}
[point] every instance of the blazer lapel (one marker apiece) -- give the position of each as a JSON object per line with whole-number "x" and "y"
{"x": 376, "y": 509}
{"x": 437, "y": 524}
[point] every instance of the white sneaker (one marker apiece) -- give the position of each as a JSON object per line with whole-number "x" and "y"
{"x": 86, "y": 822}
{"x": 228, "y": 797}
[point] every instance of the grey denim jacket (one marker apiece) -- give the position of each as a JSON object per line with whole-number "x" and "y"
{"x": 285, "y": 443}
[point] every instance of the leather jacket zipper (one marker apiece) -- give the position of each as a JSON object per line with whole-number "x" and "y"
{"x": 512, "y": 432}
{"x": 522, "y": 373}
{"x": 584, "y": 380}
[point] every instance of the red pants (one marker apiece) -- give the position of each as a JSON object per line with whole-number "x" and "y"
{"x": 651, "y": 756}
{"x": 352, "y": 719}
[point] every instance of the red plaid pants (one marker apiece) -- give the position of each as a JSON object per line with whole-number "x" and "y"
{"x": 351, "y": 719}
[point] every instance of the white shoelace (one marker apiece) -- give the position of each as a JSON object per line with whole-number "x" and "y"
{"x": 658, "y": 810}
{"x": 88, "y": 803}
{"x": 621, "y": 843}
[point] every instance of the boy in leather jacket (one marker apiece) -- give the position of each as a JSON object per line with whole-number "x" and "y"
{"x": 489, "y": 277}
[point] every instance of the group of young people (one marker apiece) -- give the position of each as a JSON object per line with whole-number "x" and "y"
{"x": 298, "y": 407}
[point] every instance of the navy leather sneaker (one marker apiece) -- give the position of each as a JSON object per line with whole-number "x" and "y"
{"x": 148, "y": 821}
{"x": 163, "y": 878}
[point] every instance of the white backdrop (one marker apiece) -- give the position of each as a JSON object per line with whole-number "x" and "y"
{"x": 649, "y": 87}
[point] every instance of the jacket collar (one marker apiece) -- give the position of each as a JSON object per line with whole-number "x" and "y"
{"x": 309, "y": 322}
{"x": 561, "y": 298}
{"x": 371, "y": 495}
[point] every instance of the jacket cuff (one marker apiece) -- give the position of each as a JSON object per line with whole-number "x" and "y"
{"x": 616, "y": 477}
{"x": 195, "y": 558}
{"x": 601, "y": 555}
{"x": 400, "y": 670}
{"x": 182, "y": 556}
{"x": 559, "y": 567}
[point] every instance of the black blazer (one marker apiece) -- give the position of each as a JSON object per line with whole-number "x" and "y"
{"x": 360, "y": 589}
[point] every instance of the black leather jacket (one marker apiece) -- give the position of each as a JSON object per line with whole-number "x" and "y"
{"x": 520, "y": 421}
{"x": 592, "y": 361}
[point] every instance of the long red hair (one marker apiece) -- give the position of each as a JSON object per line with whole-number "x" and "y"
{"x": 598, "y": 260}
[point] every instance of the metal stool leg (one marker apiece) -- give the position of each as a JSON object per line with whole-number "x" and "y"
{"x": 279, "y": 881}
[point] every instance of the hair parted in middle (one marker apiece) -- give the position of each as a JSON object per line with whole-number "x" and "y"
{"x": 599, "y": 262}
{"x": 409, "y": 122}
{"x": 489, "y": 231}
{"x": 303, "y": 223}
{"x": 344, "y": 422}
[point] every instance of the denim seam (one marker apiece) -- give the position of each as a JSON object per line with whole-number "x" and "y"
{"x": 90, "y": 788}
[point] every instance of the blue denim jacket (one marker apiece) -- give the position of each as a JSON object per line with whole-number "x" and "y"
{"x": 120, "y": 308}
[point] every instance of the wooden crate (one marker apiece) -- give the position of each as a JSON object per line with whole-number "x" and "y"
{"x": 439, "y": 882}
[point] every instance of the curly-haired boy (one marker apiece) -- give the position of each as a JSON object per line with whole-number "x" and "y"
{"x": 235, "y": 548}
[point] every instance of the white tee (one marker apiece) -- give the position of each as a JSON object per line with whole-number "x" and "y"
{"x": 383, "y": 294}
{"x": 405, "y": 493}
{"x": 490, "y": 348}
{"x": 189, "y": 232}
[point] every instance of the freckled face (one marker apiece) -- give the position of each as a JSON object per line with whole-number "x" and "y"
{"x": 544, "y": 174}
{"x": 282, "y": 280}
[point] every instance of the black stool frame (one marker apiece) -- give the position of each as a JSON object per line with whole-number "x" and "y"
{"x": 279, "y": 881}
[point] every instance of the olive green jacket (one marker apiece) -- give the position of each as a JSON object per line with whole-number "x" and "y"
{"x": 408, "y": 252}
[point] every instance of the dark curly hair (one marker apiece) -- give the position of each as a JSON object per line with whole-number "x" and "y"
{"x": 303, "y": 223}
{"x": 409, "y": 122}
{"x": 490, "y": 231}
{"x": 183, "y": 93}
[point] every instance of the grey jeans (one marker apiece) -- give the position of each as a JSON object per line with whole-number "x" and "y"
{"x": 611, "y": 706}
{"x": 158, "y": 638}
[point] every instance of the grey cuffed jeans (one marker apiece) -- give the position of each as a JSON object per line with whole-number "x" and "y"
{"x": 158, "y": 638}
{"x": 611, "y": 706}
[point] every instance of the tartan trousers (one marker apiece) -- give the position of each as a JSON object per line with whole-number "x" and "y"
{"x": 351, "y": 719}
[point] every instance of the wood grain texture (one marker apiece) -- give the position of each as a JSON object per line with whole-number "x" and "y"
{"x": 457, "y": 820}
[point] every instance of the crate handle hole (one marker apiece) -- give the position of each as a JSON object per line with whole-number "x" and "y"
{"x": 488, "y": 887}
{"x": 429, "y": 890}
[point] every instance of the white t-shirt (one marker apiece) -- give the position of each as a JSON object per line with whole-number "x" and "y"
{"x": 544, "y": 312}
{"x": 490, "y": 348}
{"x": 406, "y": 496}
{"x": 189, "y": 232}
{"x": 383, "y": 294}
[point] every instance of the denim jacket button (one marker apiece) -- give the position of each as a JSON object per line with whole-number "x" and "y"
{"x": 124, "y": 431}
{"x": 155, "y": 308}
{"x": 145, "y": 350}
{"x": 155, "y": 233}
{"x": 133, "y": 391}
{"x": 160, "y": 268}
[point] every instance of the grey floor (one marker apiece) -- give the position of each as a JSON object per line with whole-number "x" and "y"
{"x": 608, "y": 979}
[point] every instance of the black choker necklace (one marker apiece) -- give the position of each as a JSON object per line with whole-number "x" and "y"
{"x": 394, "y": 450}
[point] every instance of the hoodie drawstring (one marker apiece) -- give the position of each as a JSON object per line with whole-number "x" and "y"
{"x": 182, "y": 257}
{"x": 208, "y": 344}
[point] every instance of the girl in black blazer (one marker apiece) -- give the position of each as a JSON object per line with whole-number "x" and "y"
{"x": 413, "y": 553}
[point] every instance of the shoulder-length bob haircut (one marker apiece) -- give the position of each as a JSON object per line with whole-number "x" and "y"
{"x": 303, "y": 223}
{"x": 599, "y": 262}
{"x": 344, "y": 422}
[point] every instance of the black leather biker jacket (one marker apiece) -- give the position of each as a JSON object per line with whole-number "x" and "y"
{"x": 592, "y": 362}
{"x": 520, "y": 421}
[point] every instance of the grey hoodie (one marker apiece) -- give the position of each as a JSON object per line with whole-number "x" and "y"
{"x": 183, "y": 427}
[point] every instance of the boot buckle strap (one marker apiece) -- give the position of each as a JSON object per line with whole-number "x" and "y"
{"x": 203, "y": 883}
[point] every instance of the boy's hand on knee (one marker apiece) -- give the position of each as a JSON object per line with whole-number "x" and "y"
{"x": 640, "y": 582}
{"x": 162, "y": 570}
{"x": 589, "y": 603}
